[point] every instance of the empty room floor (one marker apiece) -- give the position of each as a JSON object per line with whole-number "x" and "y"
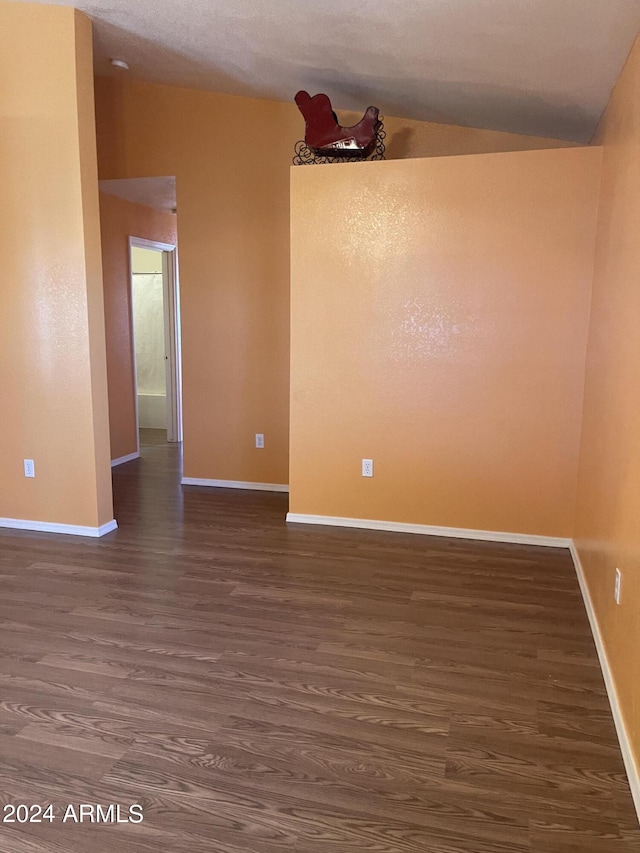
{"x": 274, "y": 689}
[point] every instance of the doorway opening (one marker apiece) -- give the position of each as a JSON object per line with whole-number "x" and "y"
{"x": 155, "y": 320}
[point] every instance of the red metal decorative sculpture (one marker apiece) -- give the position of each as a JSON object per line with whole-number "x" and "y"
{"x": 327, "y": 138}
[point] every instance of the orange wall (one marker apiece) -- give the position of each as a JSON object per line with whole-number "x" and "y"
{"x": 231, "y": 159}
{"x": 120, "y": 220}
{"x": 93, "y": 263}
{"x": 53, "y": 389}
{"x": 438, "y": 326}
{"x": 608, "y": 517}
{"x": 408, "y": 139}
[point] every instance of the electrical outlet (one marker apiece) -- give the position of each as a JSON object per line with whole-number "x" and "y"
{"x": 29, "y": 468}
{"x": 617, "y": 589}
{"x": 367, "y": 467}
{"x": 259, "y": 440}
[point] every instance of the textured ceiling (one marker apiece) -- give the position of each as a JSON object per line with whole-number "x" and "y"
{"x": 544, "y": 67}
{"x": 159, "y": 193}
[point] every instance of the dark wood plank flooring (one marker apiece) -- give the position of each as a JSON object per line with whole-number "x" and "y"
{"x": 273, "y": 689}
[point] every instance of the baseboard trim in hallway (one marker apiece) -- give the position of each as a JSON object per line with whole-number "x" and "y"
{"x": 50, "y": 527}
{"x": 430, "y": 530}
{"x": 122, "y": 459}
{"x": 633, "y": 771}
{"x": 235, "y": 484}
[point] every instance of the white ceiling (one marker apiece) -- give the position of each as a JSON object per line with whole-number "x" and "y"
{"x": 159, "y": 193}
{"x": 544, "y": 67}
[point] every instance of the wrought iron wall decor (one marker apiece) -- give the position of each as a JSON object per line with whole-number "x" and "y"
{"x": 326, "y": 141}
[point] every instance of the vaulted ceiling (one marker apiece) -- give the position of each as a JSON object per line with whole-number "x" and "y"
{"x": 543, "y": 67}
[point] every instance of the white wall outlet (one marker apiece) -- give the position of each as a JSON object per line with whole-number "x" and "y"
{"x": 29, "y": 468}
{"x": 260, "y": 440}
{"x": 367, "y": 467}
{"x": 617, "y": 589}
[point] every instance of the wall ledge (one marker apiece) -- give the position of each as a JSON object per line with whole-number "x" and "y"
{"x": 50, "y": 527}
{"x": 633, "y": 771}
{"x": 128, "y": 458}
{"x": 235, "y": 484}
{"x": 430, "y": 530}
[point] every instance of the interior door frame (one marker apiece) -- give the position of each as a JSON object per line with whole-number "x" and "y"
{"x": 172, "y": 350}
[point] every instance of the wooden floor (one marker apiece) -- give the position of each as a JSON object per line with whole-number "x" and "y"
{"x": 258, "y": 687}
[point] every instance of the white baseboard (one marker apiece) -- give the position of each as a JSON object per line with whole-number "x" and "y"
{"x": 633, "y": 771}
{"x": 235, "y": 484}
{"x": 128, "y": 458}
{"x": 430, "y": 530}
{"x": 49, "y": 527}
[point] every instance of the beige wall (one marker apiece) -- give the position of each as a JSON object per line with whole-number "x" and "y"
{"x": 608, "y": 517}
{"x": 53, "y": 384}
{"x": 439, "y": 320}
{"x": 231, "y": 158}
{"x": 146, "y": 260}
{"x": 120, "y": 220}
